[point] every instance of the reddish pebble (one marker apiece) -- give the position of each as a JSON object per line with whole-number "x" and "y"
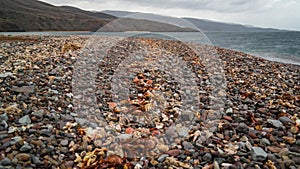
{"x": 252, "y": 135}
{"x": 227, "y": 118}
{"x": 174, "y": 152}
{"x": 112, "y": 105}
{"x": 129, "y": 130}
{"x": 155, "y": 132}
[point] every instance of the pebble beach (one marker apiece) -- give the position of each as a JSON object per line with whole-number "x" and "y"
{"x": 255, "y": 105}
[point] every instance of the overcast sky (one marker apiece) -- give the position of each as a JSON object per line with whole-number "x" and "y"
{"x": 284, "y": 14}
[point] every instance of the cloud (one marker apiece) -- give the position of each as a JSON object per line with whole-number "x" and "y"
{"x": 266, "y": 13}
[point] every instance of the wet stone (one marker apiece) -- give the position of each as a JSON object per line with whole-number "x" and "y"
{"x": 39, "y": 113}
{"x": 5, "y": 162}
{"x": 15, "y": 139}
{"x": 25, "y": 120}
{"x": 182, "y": 131}
{"x": 22, "y": 157}
{"x": 275, "y": 123}
{"x": 265, "y": 141}
{"x": 6, "y": 74}
{"x": 64, "y": 142}
{"x": 285, "y": 120}
{"x": 162, "y": 157}
{"x": 258, "y": 154}
{"x": 242, "y": 128}
{"x": 25, "y": 148}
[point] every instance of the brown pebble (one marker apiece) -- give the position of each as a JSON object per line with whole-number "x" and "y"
{"x": 174, "y": 152}
{"x": 23, "y": 157}
{"x": 274, "y": 149}
{"x": 227, "y": 118}
{"x": 129, "y": 130}
{"x": 252, "y": 135}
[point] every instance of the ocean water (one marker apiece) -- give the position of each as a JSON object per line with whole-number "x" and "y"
{"x": 275, "y": 46}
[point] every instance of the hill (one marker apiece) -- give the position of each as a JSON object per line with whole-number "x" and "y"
{"x": 208, "y": 25}
{"x": 33, "y": 15}
{"x": 202, "y": 24}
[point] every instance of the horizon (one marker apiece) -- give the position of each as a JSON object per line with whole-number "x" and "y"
{"x": 276, "y": 14}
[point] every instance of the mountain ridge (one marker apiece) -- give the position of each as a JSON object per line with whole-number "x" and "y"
{"x": 202, "y": 24}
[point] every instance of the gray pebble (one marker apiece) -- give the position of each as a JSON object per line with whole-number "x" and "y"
{"x": 275, "y": 123}
{"x": 162, "y": 157}
{"x": 64, "y": 142}
{"x": 258, "y": 154}
{"x": 25, "y": 148}
{"x": 25, "y": 120}
{"x": 15, "y": 139}
{"x": 39, "y": 113}
{"x": 182, "y": 131}
{"x": 6, "y": 161}
{"x": 285, "y": 120}
{"x": 265, "y": 141}
{"x": 124, "y": 136}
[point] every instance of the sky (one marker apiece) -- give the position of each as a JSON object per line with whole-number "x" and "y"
{"x": 282, "y": 14}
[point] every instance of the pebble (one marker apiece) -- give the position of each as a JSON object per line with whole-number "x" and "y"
{"x": 22, "y": 157}
{"x": 162, "y": 157}
{"x": 242, "y": 128}
{"x": 258, "y": 154}
{"x": 182, "y": 131}
{"x": 25, "y": 148}
{"x": 275, "y": 123}
{"x": 124, "y": 136}
{"x": 25, "y": 120}
{"x": 38, "y": 117}
{"x": 64, "y": 142}
{"x": 6, "y": 74}
{"x": 5, "y": 162}
{"x": 285, "y": 120}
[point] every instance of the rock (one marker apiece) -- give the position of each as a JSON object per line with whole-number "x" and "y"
{"x": 25, "y": 148}
{"x": 64, "y": 142}
{"x": 3, "y": 117}
{"x": 207, "y": 157}
{"x": 163, "y": 147}
{"x": 22, "y": 157}
{"x": 229, "y": 111}
{"x": 162, "y": 157}
{"x": 265, "y": 141}
{"x": 98, "y": 143}
{"x": 285, "y": 120}
{"x": 228, "y": 118}
{"x": 124, "y": 136}
{"x": 23, "y": 89}
{"x": 284, "y": 152}
{"x": 258, "y": 154}
{"x": 242, "y": 128}
{"x": 138, "y": 166}
{"x": 182, "y": 131}
{"x": 174, "y": 152}
{"x": 6, "y": 74}
{"x": 39, "y": 114}
{"x": 297, "y": 160}
{"x": 15, "y": 140}
{"x": 171, "y": 131}
{"x": 275, "y": 123}
{"x": 36, "y": 160}
{"x": 274, "y": 149}
{"x": 129, "y": 130}
{"x": 5, "y": 162}
{"x": 187, "y": 145}
{"x": 25, "y": 120}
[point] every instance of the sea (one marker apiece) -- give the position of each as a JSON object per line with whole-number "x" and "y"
{"x": 282, "y": 46}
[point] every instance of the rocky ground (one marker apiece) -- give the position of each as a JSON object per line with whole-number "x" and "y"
{"x": 141, "y": 111}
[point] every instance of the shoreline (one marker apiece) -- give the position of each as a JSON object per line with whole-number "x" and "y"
{"x": 43, "y": 124}
{"x": 268, "y": 56}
